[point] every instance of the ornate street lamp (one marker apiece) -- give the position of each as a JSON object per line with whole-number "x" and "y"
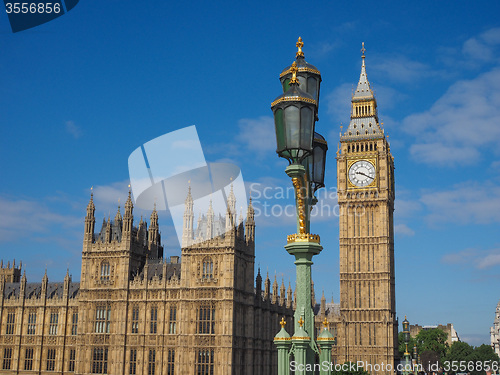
{"x": 407, "y": 363}
{"x": 295, "y": 114}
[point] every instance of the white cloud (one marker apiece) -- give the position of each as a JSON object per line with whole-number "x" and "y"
{"x": 401, "y": 69}
{"x": 257, "y": 135}
{"x": 471, "y": 202}
{"x": 29, "y": 218}
{"x": 404, "y": 230}
{"x": 479, "y": 259}
{"x": 484, "y": 47}
{"x": 73, "y": 129}
{"x": 463, "y": 122}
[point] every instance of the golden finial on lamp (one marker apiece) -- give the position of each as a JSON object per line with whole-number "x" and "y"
{"x": 299, "y": 45}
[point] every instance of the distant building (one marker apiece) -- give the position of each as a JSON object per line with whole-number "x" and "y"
{"x": 495, "y": 331}
{"x": 448, "y": 329}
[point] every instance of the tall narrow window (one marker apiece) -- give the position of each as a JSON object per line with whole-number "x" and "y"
{"x": 7, "y": 358}
{"x": 11, "y": 319}
{"x": 152, "y": 362}
{"x": 100, "y": 361}
{"x": 74, "y": 323}
{"x": 133, "y": 362}
{"x": 72, "y": 358}
{"x": 205, "y": 362}
{"x": 154, "y": 320}
{"x": 31, "y": 323}
{"x": 173, "y": 318}
{"x": 54, "y": 319}
{"x": 208, "y": 269}
{"x": 51, "y": 360}
{"x": 206, "y": 320}
{"x": 170, "y": 361}
{"x": 105, "y": 271}
{"x": 102, "y": 319}
{"x": 28, "y": 359}
{"x": 135, "y": 319}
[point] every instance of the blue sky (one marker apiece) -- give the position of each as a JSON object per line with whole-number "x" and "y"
{"x": 80, "y": 93}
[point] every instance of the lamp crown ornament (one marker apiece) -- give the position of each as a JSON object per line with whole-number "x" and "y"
{"x": 325, "y": 323}
{"x": 299, "y": 45}
{"x": 283, "y": 322}
{"x": 294, "y": 71}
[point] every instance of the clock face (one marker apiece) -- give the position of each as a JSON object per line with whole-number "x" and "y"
{"x": 362, "y": 173}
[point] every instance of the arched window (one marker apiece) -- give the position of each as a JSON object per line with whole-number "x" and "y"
{"x": 208, "y": 269}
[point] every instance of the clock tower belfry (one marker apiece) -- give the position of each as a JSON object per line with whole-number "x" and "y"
{"x": 365, "y": 182}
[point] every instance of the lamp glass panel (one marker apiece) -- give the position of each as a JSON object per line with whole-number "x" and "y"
{"x": 307, "y": 128}
{"x": 280, "y": 129}
{"x": 318, "y": 165}
{"x": 292, "y": 127}
{"x": 286, "y": 84}
{"x": 312, "y": 87}
{"x": 302, "y": 83}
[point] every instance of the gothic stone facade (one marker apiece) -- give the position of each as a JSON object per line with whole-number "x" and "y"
{"x": 134, "y": 313}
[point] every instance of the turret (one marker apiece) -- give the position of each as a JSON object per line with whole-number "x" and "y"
{"x": 128, "y": 217}
{"x": 188, "y": 221}
{"x": 250, "y": 223}
{"x": 210, "y": 222}
{"x": 88, "y": 236}
{"x": 258, "y": 284}
{"x": 282, "y": 293}
{"x": 45, "y": 281}
{"x": 267, "y": 287}
{"x": 154, "y": 247}
{"x": 275, "y": 291}
{"x": 289, "y": 296}
{"x": 322, "y": 308}
{"x": 231, "y": 210}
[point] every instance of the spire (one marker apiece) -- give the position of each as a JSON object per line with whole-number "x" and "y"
{"x": 250, "y": 222}
{"x": 128, "y": 217}
{"x": 118, "y": 216}
{"x": 210, "y": 221}
{"x": 289, "y": 296}
{"x": 364, "y": 117}
{"x": 153, "y": 231}
{"x": 322, "y": 308}
{"x": 363, "y": 90}
{"x": 267, "y": 287}
{"x": 90, "y": 219}
{"x": 275, "y": 290}
{"x": 282, "y": 293}
{"x": 188, "y": 220}
{"x": 258, "y": 283}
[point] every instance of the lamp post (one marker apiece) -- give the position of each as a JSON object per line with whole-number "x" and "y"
{"x": 295, "y": 113}
{"x": 407, "y": 357}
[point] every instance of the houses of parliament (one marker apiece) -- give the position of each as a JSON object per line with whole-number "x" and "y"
{"x": 203, "y": 313}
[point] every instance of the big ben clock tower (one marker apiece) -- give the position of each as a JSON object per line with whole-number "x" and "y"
{"x": 365, "y": 182}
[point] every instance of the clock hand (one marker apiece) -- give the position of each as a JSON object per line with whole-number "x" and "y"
{"x": 361, "y": 173}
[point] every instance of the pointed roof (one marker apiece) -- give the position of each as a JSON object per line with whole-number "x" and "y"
{"x": 364, "y": 118}
{"x": 363, "y": 91}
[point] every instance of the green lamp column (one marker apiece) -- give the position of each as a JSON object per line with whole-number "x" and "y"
{"x": 283, "y": 342}
{"x": 325, "y": 343}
